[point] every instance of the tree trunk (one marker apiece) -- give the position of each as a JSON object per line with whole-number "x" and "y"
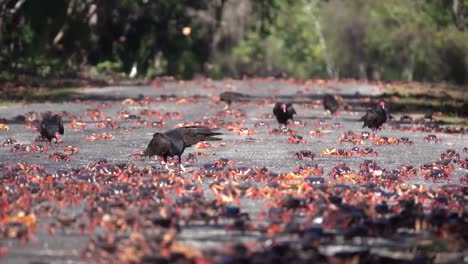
{"x": 408, "y": 70}
{"x": 458, "y": 14}
{"x": 217, "y": 32}
{"x": 362, "y": 71}
{"x": 322, "y": 42}
{"x": 323, "y": 45}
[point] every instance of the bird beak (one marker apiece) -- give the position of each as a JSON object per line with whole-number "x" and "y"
{"x": 144, "y": 153}
{"x": 382, "y": 104}
{"x": 57, "y": 136}
{"x": 283, "y": 106}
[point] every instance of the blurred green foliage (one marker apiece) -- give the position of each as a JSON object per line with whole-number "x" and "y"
{"x": 423, "y": 40}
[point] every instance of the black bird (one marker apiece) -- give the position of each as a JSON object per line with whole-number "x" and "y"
{"x": 229, "y": 97}
{"x": 283, "y": 113}
{"x": 375, "y": 116}
{"x": 330, "y": 103}
{"x": 51, "y": 127}
{"x": 173, "y": 142}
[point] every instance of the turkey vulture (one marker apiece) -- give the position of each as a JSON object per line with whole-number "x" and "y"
{"x": 229, "y": 97}
{"x": 283, "y": 112}
{"x": 51, "y": 127}
{"x": 375, "y": 116}
{"x": 173, "y": 142}
{"x": 330, "y": 103}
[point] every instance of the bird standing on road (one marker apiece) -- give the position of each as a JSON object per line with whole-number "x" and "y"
{"x": 229, "y": 97}
{"x": 173, "y": 142}
{"x": 283, "y": 112}
{"x": 331, "y": 103}
{"x": 375, "y": 116}
{"x": 51, "y": 127}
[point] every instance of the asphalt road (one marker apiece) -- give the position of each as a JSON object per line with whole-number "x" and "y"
{"x": 262, "y": 149}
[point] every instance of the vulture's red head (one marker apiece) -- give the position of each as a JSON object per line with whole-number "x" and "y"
{"x": 283, "y": 107}
{"x": 382, "y": 104}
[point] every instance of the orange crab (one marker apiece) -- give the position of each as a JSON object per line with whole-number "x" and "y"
{"x": 75, "y": 124}
{"x": 351, "y": 177}
{"x": 71, "y": 150}
{"x": 4, "y": 127}
{"x": 386, "y": 141}
{"x": 129, "y": 101}
{"x": 316, "y": 133}
{"x": 105, "y": 136}
{"x": 335, "y": 152}
{"x": 296, "y": 139}
{"x": 203, "y": 145}
{"x": 243, "y": 131}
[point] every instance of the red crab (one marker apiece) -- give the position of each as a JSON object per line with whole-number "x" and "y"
{"x": 406, "y": 141}
{"x": 244, "y": 131}
{"x": 336, "y": 152}
{"x": 337, "y": 125}
{"x": 296, "y": 139}
{"x": 386, "y": 141}
{"x": 436, "y": 173}
{"x": 322, "y": 123}
{"x": 71, "y": 150}
{"x": 316, "y": 133}
{"x": 350, "y": 137}
{"x": 57, "y": 156}
{"x": 105, "y": 136}
{"x": 432, "y": 138}
{"x": 261, "y": 124}
{"x": 277, "y": 131}
{"x": 304, "y": 154}
{"x": 366, "y": 151}
{"x": 299, "y": 123}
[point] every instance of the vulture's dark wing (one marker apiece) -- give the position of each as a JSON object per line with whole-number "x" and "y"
{"x": 61, "y": 130}
{"x": 290, "y": 110}
{"x": 160, "y": 145}
{"x": 370, "y": 118}
{"x": 44, "y": 128}
{"x": 193, "y": 134}
{"x": 277, "y": 109}
{"x": 330, "y": 103}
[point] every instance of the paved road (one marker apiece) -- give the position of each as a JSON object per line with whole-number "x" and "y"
{"x": 266, "y": 150}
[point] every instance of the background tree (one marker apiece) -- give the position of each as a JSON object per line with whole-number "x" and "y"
{"x": 423, "y": 40}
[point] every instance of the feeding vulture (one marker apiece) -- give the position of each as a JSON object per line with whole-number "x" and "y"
{"x": 375, "y": 116}
{"x": 331, "y": 103}
{"x": 51, "y": 127}
{"x": 283, "y": 112}
{"x": 173, "y": 142}
{"x": 229, "y": 97}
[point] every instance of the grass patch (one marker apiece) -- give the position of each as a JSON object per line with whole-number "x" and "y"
{"x": 432, "y": 90}
{"x": 450, "y": 100}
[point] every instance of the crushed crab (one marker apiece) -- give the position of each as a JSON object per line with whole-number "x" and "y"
{"x": 203, "y": 145}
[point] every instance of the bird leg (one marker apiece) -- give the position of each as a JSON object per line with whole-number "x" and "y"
{"x": 163, "y": 162}
{"x": 181, "y": 167}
